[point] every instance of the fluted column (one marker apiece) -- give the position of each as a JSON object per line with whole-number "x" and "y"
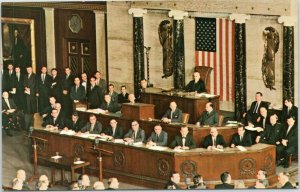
{"x": 179, "y": 65}
{"x": 240, "y": 78}
{"x": 288, "y": 85}
{"x": 50, "y": 38}
{"x": 138, "y": 46}
{"x": 100, "y": 41}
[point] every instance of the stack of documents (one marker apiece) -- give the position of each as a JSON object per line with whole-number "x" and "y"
{"x": 241, "y": 148}
{"x": 67, "y": 132}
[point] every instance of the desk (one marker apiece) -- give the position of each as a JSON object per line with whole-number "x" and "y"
{"x": 188, "y": 104}
{"x": 143, "y": 166}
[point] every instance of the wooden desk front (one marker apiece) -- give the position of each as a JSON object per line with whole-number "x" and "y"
{"x": 188, "y": 104}
{"x": 143, "y": 166}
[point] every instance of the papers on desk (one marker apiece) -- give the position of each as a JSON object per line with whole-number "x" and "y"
{"x": 251, "y": 128}
{"x": 96, "y": 111}
{"x": 118, "y": 141}
{"x": 67, "y": 132}
{"x": 137, "y": 143}
{"x": 78, "y": 162}
{"x": 232, "y": 122}
{"x": 81, "y": 108}
{"x": 56, "y": 157}
{"x": 241, "y": 148}
{"x": 93, "y": 136}
{"x": 204, "y": 95}
{"x": 178, "y": 150}
{"x": 158, "y": 148}
{"x": 217, "y": 149}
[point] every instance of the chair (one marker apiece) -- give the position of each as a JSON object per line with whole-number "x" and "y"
{"x": 185, "y": 118}
{"x": 293, "y": 157}
{"x": 221, "y": 118}
{"x": 205, "y": 75}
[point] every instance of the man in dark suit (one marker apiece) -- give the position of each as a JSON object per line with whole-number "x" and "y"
{"x": 109, "y": 105}
{"x": 226, "y": 180}
{"x": 46, "y": 112}
{"x": 123, "y": 96}
{"x": 114, "y": 131}
{"x": 9, "y": 113}
{"x": 214, "y": 140}
{"x": 135, "y": 134}
{"x": 142, "y": 87}
{"x": 196, "y": 85}
{"x": 75, "y": 123}
{"x": 158, "y": 137}
{"x": 94, "y": 95}
{"x": 209, "y": 116}
{"x": 289, "y": 110}
{"x": 113, "y": 94}
{"x": 18, "y": 89}
{"x": 77, "y": 92}
{"x": 56, "y": 88}
{"x": 272, "y": 133}
{"x": 54, "y": 122}
{"x": 185, "y": 141}
{"x": 253, "y": 113}
{"x": 67, "y": 83}
{"x": 173, "y": 114}
{"x": 43, "y": 88}
{"x": 289, "y": 142}
{"x": 9, "y": 75}
{"x": 241, "y": 138}
{"x": 101, "y": 83}
{"x": 283, "y": 179}
{"x": 84, "y": 82}
{"x": 93, "y": 126}
{"x": 263, "y": 119}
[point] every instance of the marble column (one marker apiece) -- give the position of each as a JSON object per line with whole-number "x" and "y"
{"x": 179, "y": 65}
{"x": 288, "y": 85}
{"x": 138, "y": 46}
{"x": 240, "y": 77}
{"x": 50, "y": 38}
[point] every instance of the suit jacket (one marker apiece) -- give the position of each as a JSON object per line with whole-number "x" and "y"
{"x": 7, "y": 80}
{"x": 118, "y": 132}
{"x": 112, "y": 107}
{"x": 86, "y": 87}
{"x": 97, "y": 128}
{"x": 209, "y": 119}
{"x": 94, "y": 97}
{"x": 56, "y": 88}
{"x": 224, "y": 186}
{"x": 102, "y": 86}
{"x": 261, "y": 119}
{"x": 75, "y": 126}
{"x": 67, "y": 83}
{"x": 209, "y": 142}
{"x": 43, "y": 89}
{"x": 176, "y": 116}
{"x": 199, "y": 86}
{"x": 271, "y": 134}
{"x": 291, "y": 136}
{"x": 251, "y": 115}
{"x": 123, "y": 98}
{"x": 189, "y": 141}
{"x": 11, "y": 104}
{"x": 114, "y": 97}
{"x": 79, "y": 94}
{"x": 59, "y": 122}
{"x": 31, "y": 105}
{"x": 19, "y": 97}
{"x": 292, "y": 112}
{"x": 246, "y": 141}
{"x": 140, "y": 136}
{"x": 162, "y": 139}
{"x": 287, "y": 185}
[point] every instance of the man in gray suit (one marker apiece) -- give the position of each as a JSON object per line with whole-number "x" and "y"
{"x": 158, "y": 137}
{"x": 208, "y": 117}
{"x": 93, "y": 126}
{"x": 136, "y": 134}
{"x": 173, "y": 114}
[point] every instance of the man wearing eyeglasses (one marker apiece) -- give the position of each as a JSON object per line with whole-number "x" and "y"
{"x": 135, "y": 134}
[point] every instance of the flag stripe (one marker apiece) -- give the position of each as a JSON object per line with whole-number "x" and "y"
{"x": 232, "y": 61}
{"x": 227, "y": 64}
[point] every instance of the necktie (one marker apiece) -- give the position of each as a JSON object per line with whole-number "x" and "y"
{"x": 54, "y": 119}
{"x": 7, "y": 102}
{"x": 264, "y": 122}
{"x": 289, "y": 128}
{"x": 288, "y": 110}
{"x": 214, "y": 142}
{"x": 171, "y": 115}
{"x": 92, "y": 127}
{"x": 16, "y": 41}
{"x": 92, "y": 88}
{"x": 183, "y": 141}
{"x": 29, "y": 76}
{"x": 241, "y": 138}
{"x": 114, "y": 130}
{"x": 10, "y": 73}
{"x": 18, "y": 76}
{"x": 255, "y": 108}
{"x": 157, "y": 137}
{"x": 67, "y": 76}
{"x": 43, "y": 78}
{"x": 76, "y": 89}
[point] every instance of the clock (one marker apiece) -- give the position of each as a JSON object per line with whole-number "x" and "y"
{"x": 75, "y": 23}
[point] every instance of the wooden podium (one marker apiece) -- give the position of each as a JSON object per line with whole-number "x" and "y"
{"x": 137, "y": 111}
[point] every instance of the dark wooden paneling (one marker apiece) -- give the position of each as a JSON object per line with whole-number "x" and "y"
{"x": 38, "y": 15}
{"x": 62, "y": 32}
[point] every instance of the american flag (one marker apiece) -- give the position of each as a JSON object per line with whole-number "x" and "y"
{"x": 215, "y": 48}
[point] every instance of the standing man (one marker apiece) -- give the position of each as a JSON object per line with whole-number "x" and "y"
{"x": 67, "y": 83}
{"x": 94, "y": 95}
{"x": 289, "y": 110}
{"x": 101, "y": 83}
{"x": 185, "y": 141}
{"x": 158, "y": 137}
{"x": 113, "y": 94}
{"x": 209, "y": 116}
{"x": 18, "y": 89}
{"x": 123, "y": 96}
{"x": 84, "y": 82}
{"x": 135, "y": 134}
{"x": 173, "y": 114}
{"x": 196, "y": 85}
{"x": 43, "y": 88}
{"x": 77, "y": 92}
{"x": 241, "y": 138}
{"x": 56, "y": 86}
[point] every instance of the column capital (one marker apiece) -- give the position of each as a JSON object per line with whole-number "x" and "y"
{"x": 137, "y": 12}
{"x": 239, "y": 18}
{"x": 287, "y": 20}
{"x": 98, "y": 12}
{"x": 178, "y": 14}
{"x": 48, "y": 8}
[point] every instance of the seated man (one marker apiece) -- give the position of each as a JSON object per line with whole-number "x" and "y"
{"x": 198, "y": 183}
{"x": 209, "y": 116}
{"x": 20, "y": 183}
{"x": 77, "y": 92}
{"x": 114, "y": 131}
{"x": 142, "y": 88}
{"x": 54, "y": 121}
{"x": 289, "y": 143}
{"x": 173, "y": 114}
{"x": 263, "y": 118}
{"x": 253, "y": 113}
{"x": 113, "y": 183}
{"x": 241, "y": 138}
{"x": 226, "y": 180}
{"x": 109, "y": 105}
{"x": 272, "y": 133}
{"x": 174, "y": 181}
{"x": 75, "y": 123}
{"x": 196, "y": 85}
{"x": 93, "y": 126}
{"x": 185, "y": 141}
{"x": 283, "y": 180}
{"x": 158, "y": 137}
{"x": 135, "y": 134}
{"x": 46, "y": 112}
{"x": 289, "y": 110}
{"x": 123, "y": 96}
{"x": 262, "y": 177}
{"x": 131, "y": 98}
{"x": 214, "y": 140}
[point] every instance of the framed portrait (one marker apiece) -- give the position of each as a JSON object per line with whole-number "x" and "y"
{"x": 18, "y": 42}
{"x": 85, "y": 48}
{"x": 73, "y": 47}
